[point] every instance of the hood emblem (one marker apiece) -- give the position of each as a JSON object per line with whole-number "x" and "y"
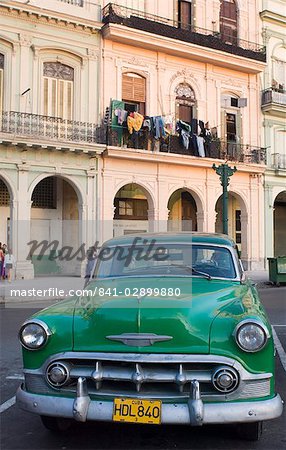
{"x": 139, "y": 339}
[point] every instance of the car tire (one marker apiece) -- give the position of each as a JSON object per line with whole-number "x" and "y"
{"x": 250, "y": 431}
{"x": 56, "y": 424}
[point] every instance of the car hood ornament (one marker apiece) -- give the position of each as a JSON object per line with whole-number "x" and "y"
{"x": 139, "y": 339}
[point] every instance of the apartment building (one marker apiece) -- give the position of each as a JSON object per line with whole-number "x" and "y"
{"x": 49, "y": 56}
{"x": 114, "y": 114}
{"x": 273, "y": 105}
{"x": 189, "y": 62}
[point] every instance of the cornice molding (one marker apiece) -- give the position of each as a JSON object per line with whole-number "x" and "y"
{"x": 273, "y": 17}
{"x": 32, "y": 14}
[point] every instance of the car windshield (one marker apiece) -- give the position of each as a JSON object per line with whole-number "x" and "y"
{"x": 166, "y": 260}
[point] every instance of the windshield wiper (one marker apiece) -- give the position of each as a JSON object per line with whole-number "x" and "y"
{"x": 192, "y": 270}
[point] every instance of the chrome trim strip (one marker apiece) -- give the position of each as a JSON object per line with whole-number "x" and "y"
{"x": 228, "y": 412}
{"x": 139, "y": 339}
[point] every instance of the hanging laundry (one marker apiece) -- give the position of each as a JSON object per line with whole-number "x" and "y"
{"x": 121, "y": 115}
{"x": 200, "y": 142}
{"x": 135, "y": 122}
{"x": 159, "y": 127}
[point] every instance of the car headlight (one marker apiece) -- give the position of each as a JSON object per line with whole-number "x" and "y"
{"x": 34, "y": 334}
{"x": 251, "y": 335}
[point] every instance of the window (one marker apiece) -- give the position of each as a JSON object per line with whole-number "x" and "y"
{"x": 134, "y": 92}
{"x": 228, "y": 21}
{"x": 58, "y": 90}
{"x": 231, "y": 130}
{"x": 230, "y": 127}
{"x": 1, "y": 81}
{"x": 185, "y": 14}
{"x": 131, "y": 209}
{"x": 44, "y": 194}
{"x": 185, "y": 102}
{"x": 4, "y": 194}
{"x": 279, "y": 75}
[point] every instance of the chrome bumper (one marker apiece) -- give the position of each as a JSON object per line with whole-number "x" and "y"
{"x": 193, "y": 412}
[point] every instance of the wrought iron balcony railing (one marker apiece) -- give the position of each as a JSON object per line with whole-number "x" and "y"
{"x": 273, "y": 95}
{"x": 59, "y": 131}
{"x": 164, "y": 26}
{"x": 278, "y": 161}
{"x": 119, "y": 137}
{"x": 50, "y": 128}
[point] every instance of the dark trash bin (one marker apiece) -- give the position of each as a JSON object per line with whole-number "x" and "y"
{"x": 277, "y": 270}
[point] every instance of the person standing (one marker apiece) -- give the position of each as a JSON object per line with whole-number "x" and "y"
{"x": 8, "y": 265}
{"x": 1, "y": 261}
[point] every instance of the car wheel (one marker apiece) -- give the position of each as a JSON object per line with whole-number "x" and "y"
{"x": 250, "y": 431}
{"x": 56, "y": 424}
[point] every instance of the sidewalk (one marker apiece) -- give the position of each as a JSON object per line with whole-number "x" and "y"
{"x": 47, "y": 290}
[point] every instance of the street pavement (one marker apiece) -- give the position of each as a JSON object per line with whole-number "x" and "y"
{"x": 21, "y": 430}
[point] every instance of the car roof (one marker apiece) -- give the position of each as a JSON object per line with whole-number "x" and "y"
{"x": 178, "y": 237}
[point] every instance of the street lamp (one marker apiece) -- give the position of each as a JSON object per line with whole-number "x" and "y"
{"x": 225, "y": 172}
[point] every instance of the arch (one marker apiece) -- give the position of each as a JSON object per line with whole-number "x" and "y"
{"x": 65, "y": 57}
{"x": 149, "y": 195}
{"x": 279, "y": 219}
{"x": 240, "y": 197}
{"x": 238, "y": 227}
{"x": 133, "y": 210}
{"x": 187, "y": 205}
{"x": 194, "y": 193}
{"x": 184, "y": 77}
{"x": 9, "y": 184}
{"x": 60, "y": 53}
{"x": 72, "y": 182}
{"x": 7, "y": 213}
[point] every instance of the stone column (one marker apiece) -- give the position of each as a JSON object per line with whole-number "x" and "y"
{"x": 24, "y": 266}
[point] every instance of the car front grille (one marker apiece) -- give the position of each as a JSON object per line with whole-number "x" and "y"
{"x": 166, "y": 379}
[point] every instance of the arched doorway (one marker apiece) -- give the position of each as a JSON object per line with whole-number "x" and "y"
{"x": 55, "y": 227}
{"x": 279, "y": 221}
{"x": 237, "y": 221}
{"x": 182, "y": 211}
{"x": 131, "y": 208}
{"x": 5, "y": 214}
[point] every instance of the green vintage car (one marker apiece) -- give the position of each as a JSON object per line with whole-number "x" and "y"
{"x": 168, "y": 331}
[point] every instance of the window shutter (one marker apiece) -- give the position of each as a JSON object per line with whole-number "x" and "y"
{"x": 133, "y": 88}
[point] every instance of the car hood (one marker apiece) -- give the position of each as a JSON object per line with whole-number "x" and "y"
{"x": 180, "y": 324}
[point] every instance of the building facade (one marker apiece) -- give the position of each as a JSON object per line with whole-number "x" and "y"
{"x": 273, "y": 104}
{"x": 48, "y": 151}
{"x": 113, "y": 116}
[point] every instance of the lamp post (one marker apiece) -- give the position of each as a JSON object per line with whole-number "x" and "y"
{"x": 225, "y": 172}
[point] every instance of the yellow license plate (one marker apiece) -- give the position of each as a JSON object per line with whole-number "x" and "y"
{"x": 136, "y": 410}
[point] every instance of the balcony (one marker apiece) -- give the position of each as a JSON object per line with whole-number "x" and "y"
{"x": 143, "y": 140}
{"x": 51, "y": 132}
{"x": 33, "y": 130}
{"x": 273, "y": 101}
{"x": 140, "y": 20}
{"x": 278, "y": 161}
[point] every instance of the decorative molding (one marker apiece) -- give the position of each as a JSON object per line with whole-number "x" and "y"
{"x": 58, "y": 70}
{"x": 25, "y": 40}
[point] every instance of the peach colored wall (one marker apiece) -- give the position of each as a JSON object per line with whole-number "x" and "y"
{"x": 161, "y": 175}
{"x": 165, "y": 72}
